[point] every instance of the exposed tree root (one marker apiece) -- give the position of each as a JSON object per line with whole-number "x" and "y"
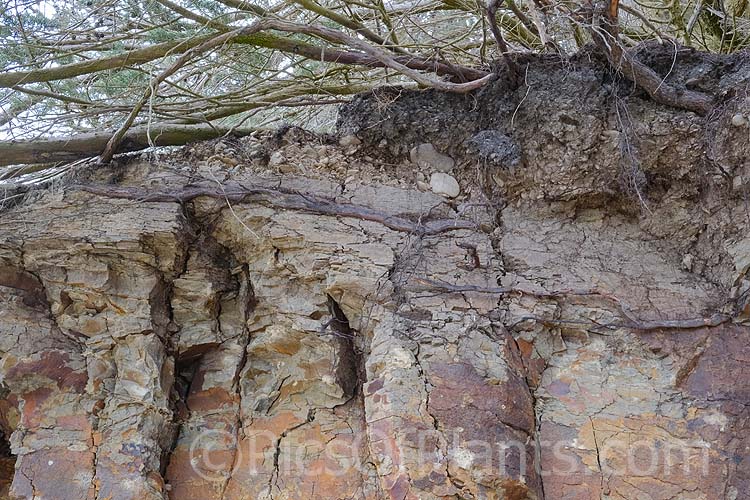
{"x": 607, "y": 37}
{"x": 281, "y": 198}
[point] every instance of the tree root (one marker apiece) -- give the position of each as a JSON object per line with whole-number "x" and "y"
{"x": 281, "y": 198}
{"x": 607, "y": 37}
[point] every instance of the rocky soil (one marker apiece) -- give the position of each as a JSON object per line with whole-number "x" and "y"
{"x": 517, "y": 294}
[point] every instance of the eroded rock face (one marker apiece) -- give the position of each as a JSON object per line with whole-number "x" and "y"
{"x": 331, "y": 331}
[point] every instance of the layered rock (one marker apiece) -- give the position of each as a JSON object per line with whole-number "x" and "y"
{"x": 311, "y": 323}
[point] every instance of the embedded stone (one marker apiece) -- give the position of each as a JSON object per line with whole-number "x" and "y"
{"x": 349, "y": 141}
{"x": 739, "y": 120}
{"x": 444, "y": 184}
{"x": 426, "y": 156}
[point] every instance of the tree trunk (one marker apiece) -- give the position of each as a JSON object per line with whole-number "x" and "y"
{"x": 62, "y": 149}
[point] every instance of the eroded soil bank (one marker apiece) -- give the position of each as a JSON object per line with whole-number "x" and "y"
{"x": 307, "y": 317}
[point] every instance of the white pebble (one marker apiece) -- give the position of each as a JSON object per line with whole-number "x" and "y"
{"x": 426, "y": 156}
{"x": 444, "y": 184}
{"x": 349, "y": 140}
{"x": 739, "y": 120}
{"x": 276, "y": 159}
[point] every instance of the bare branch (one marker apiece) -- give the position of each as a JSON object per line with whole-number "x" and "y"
{"x": 187, "y": 13}
{"x": 114, "y": 143}
{"x": 137, "y": 56}
{"x": 378, "y": 54}
{"x": 348, "y": 22}
{"x": 18, "y": 107}
{"x": 513, "y": 70}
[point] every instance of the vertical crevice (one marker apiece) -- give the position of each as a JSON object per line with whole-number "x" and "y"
{"x": 183, "y": 380}
{"x": 7, "y": 465}
{"x": 349, "y": 364}
{"x": 352, "y": 348}
{"x": 537, "y": 434}
{"x": 230, "y": 281}
{"x": 273, "y": 480}
{"x": 598, "y": 457}
{"x": 248, "y": 301}
{"x": 537, "y": 438}
{"x": 163, "y": 324}
{"x": 502, "y": 268}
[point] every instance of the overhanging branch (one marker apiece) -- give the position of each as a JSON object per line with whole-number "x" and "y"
{"x": 245, "y": 37}
{"x": 193, "y": 128}
{"x": 76, "y": 147}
